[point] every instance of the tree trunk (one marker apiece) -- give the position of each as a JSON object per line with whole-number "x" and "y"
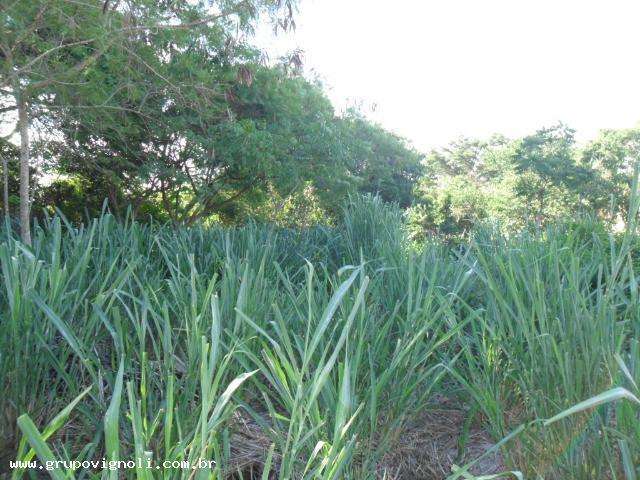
{"x": 5, "y": 185}
{"x": 23, "y": 123}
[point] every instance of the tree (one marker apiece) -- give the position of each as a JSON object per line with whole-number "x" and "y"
{"x": 465, "y": 183}
{"x": 382, "y": 163}
{"x": 550, "y": 181}
{"x": 613, "y": 154}
{"x": 479, "y": 161}
{"x": 267, "y": 131}
{"x": 9, "y": 154}
{"x": 38, "y": 43}
{"x": 48, "y": 48}
{"x": 264, "y": 130}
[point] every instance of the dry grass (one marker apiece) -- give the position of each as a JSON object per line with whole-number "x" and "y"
{"x": 425, "y": 449}
{"x": 428, "y": 446}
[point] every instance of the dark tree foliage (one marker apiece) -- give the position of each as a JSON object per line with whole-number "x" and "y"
{"x": 382, "y": 162}
{"x": 167, "y": 109}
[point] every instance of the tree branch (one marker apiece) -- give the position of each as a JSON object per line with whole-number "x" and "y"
{"x": 182, "y": 26}
{"x": 52, "y": 50}
{"x": 8, "y": 109}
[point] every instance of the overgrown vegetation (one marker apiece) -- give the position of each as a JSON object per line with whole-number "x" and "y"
{"x": 540, "y": 178}
{"x": 171, "y": 110}
{"x": 202, "y": 260}
{"x": 312, "y": 353}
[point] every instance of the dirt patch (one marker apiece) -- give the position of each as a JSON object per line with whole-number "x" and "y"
{"x": 425, "y": 449}
{"x": 249, "y": 447}
{"x": 428, "y": 446}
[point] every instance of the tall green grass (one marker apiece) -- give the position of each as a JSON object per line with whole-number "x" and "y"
{"x": 283, "y": 353}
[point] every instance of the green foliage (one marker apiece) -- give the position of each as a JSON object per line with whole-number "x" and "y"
{"x": 534, "y": 180}
{"x": 550, "y": 179}
{"x": 269, "y": 134}
{"x": 165, "y": 108}
{"x": 382, "y": 162}
{"x": 302, "y": 208}
{"x": 162, "y": 342}
{"x": 614, "y": 153}
{"x": 465, "y": 184}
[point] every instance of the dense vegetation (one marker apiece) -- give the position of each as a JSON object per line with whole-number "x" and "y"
{"x": 539, "y": 178}
{"x": 201, "y": 259}
{"x": 316, "y": 353}
{"x": 168, "y": 109}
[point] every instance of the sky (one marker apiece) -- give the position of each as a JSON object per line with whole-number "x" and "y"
{"x": 432, "y": 70}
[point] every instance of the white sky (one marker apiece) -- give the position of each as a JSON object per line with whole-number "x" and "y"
{"x": 437, "y": 69}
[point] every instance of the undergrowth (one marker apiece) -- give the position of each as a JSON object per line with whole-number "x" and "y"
{"x": 284, "y": 353}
